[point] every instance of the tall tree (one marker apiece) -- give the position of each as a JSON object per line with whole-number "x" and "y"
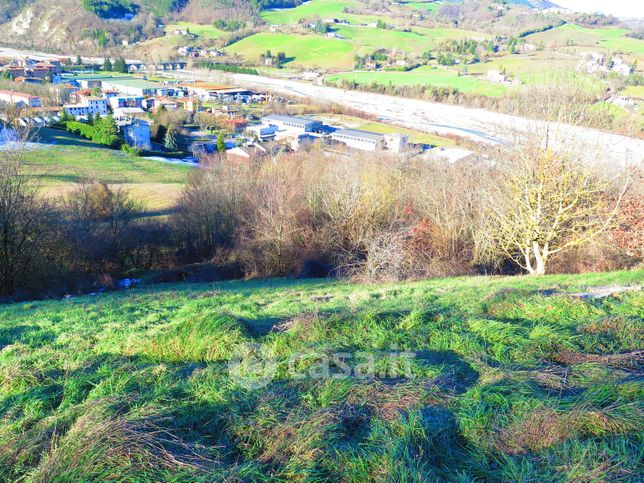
{"x": 545, "y": 204}
{"x": 107, "y": 65}
{"x": 221, "y": 144}
{"x": 120, "y": 65}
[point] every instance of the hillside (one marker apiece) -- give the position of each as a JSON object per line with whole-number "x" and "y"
{"x": 496, "y": 379}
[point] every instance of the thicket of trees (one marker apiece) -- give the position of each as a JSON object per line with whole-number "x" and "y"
{"x": 371, "y": 217}
{"x": 102, "y": 130}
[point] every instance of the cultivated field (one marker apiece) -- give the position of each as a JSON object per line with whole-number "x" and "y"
{"x": 500, "y": 379}
{"x": 608, "y": 38}
{"x": 318, "y": 8}
{"x": 60, "y": 167}
{"x": 427, "y": 75}
{"x": 301, "y": 50}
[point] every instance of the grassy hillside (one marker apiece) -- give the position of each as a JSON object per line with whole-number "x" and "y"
{"x": 425, "y": 75}
{"x": 608, "y": 38}
{"x": 59, "y": 168}
{"x": 505, "y": 379}
{"x": 302, "y": 50}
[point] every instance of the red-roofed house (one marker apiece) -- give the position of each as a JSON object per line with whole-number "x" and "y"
{"x": 20, "y": 99}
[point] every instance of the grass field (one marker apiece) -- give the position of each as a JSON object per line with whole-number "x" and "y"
{"x": 424, "y": 6}
{"x": 609, "y": 38}
{"x": 500, "y": 381}
{"x": 304, "y": 50}
{"x": 316, "y": 8}
{"x": 379, "y": 127}
{"x": 425, "y": 76}
{"x": 418, "y": 41}
{"x": 634, "y": 91}
{"x": 60, "y": 167}
{"x": 207, "y": 31}
{"x": 527, "y": 67}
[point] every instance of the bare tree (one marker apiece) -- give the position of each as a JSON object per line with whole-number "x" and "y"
{"x": 545, "y": 203}
{"x": 26, "y": 224}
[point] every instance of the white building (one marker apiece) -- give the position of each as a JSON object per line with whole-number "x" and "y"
{"x": 136, "y": 133}
{"x": 371, "y": 141}
{"x": 20, "y": 99}
{"x": 621, "y": 67}
{"x": 262, "y": 132}
{"x": 126, "y": 101}
{"x": 292, "y": 123}
{"x": 496, "y": 76}
{"x": 128, "y": 112}
{"x": 91, "y": 105}
{"x": 362, "y": 140}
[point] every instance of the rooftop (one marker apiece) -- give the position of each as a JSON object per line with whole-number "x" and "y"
{"x": 355, "y": 133}
{"x": 292, "y": 119}
{"x": 18, "y": 94}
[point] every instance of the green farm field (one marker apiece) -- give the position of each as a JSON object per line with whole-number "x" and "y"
{"x": 207, "y": 31}
{"x": 425, "y": 76}
{"x": 608, "y": 38}
{"x": 317, "y": 8}
{"x": 58, "y": 169}
{"x": 417, "y": 41}
{"x": 496, "y": 379}
{"x": 305, "y": 50}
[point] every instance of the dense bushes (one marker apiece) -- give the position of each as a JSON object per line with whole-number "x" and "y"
{"x": 237, "y": 69}
{"x": 110, "y": 8}
{"x": 370, "y": 217}
{"x": 102, "y": 131}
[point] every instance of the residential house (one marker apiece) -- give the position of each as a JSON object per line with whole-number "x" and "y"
{"x": 136, "y": 133}
{"x": 19, "y": 99}
{"x": 91, "y": 105}
{"x": 122, "y": 113}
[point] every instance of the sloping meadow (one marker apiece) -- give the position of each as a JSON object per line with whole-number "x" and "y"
{"x": 451, "y": 379}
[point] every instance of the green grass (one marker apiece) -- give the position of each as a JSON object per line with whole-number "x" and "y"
{"x": 207, "y": 31}
{"x": 504, "y": 382}
{"x": 527, "y": 67}
{"x": 431, "y": 7}
{"x": 305, "y": 50}
{"x": 316, "y": 8}
{"x": 60, "y": 167}
{"x": 636, "y": 92}
{"x": 608, "y": 38}
{"x": 414, "y": 136}
{"x": 425, "y": 76}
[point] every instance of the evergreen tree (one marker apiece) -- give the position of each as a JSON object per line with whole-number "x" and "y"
{"x": 107, "y": 64}
{"x": 120, "y": 65}
{"x": 170, "y": 141}
{"x": 90, "y": 119}
{"x": 221, "y": 144}
{"x": 79, "y": 61}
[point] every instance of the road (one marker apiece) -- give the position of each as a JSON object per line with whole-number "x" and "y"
{"x": 477, "y": 124}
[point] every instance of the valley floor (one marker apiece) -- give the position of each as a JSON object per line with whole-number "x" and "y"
{"x": 466, "y": 378}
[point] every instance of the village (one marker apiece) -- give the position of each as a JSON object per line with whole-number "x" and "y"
{"x": 205, "y": 118}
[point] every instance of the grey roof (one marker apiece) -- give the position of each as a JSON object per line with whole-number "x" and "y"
{"x": 293, "y": 119}
{"x": 355, "y": 133}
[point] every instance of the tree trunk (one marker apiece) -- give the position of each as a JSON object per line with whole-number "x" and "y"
{"x": 540, "y": 259}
